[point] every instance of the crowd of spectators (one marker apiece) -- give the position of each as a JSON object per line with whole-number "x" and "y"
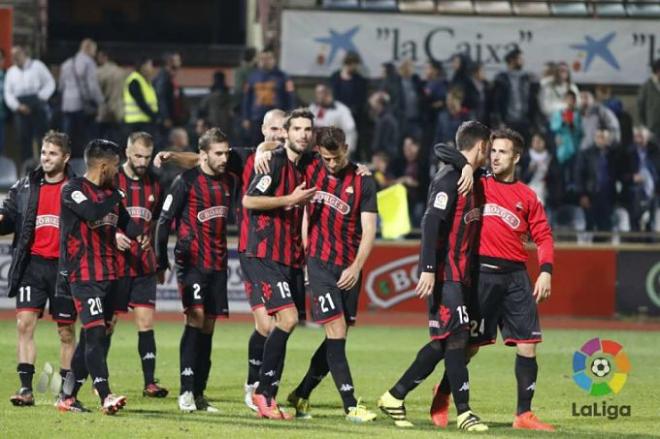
{"x": 585, "y": 159}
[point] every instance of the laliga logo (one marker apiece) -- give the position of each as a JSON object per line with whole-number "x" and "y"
{"x": 601, "y": 368}
{"x": 394, "y": 282}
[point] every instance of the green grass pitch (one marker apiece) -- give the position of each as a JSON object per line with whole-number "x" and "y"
{"x": 378, "y": 355}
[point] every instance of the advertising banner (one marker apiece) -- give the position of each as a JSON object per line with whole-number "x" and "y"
{"x": 638, "y": 286}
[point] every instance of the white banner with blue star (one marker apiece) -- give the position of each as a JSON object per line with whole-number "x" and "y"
{"x": 616, "y": 51}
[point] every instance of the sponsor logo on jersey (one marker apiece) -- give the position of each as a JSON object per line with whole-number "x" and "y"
{"x": 139, "y": 212}
{"x": 332, "y": 201}
{"x": 472, "y": 215}
{"x": 506, "y": 215}
{"x": 108, "y": 220}
{"x": 212, "y": 212}
{"x": 48, "y": 221}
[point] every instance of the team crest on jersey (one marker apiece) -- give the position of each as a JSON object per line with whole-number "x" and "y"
{"x": 349, "y": 190}
{"x": 108, "y": 220}
{"x": 332, "y": 201}
{"x": 212, "y": 212}
{"x": 506, "y": 215}
{"x": 264, "y": 183}
{"x": 472, "y": 215}
{"x": 151, "y": 198}
{"x": 48, "y": 221}
{"x": 519, "y": 205}
{"x": 440, "y": 201}
{"x": 139, "y": 212}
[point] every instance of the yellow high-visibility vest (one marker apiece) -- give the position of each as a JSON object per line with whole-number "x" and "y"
{"x": 133, "y": 113}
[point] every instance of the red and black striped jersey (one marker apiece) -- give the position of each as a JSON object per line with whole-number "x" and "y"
{"x": 276, "y": 234}
{"x": 90, "y": 216}
{"x": 243, "y": 217}
{"x": 334, "y": 215}
{"x": 143, "y": 202}
{"x": 200, "y": 204}
{"x": 450, "y": 227}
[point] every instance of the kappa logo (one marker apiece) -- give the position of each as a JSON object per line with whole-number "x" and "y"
{"x": 506, "y": 215}
{"x": 345, "y": 388}
{"x": 99, "y": 380}
{"x": 332, "y": 201}
{"x": 139, "y": 212}
{"x": 48, "y": 221}
{"x": 393, "y": 282}
{"x": 465, "y": 387}
{"x": 108, "y": 220}
{"x": 149, "y": 356}
{"x": 187, "y": 372}
{"x": 212, "y": 212}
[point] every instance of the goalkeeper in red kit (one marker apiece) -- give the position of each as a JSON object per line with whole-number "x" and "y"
{"x": 503, "y": 296}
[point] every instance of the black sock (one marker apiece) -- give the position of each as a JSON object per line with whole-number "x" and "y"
{"x": 203, "y": 364}
{"x": 526, "y": 371}
{"x": 457, "y": 371}
{"x": 275, "y": 385}
{"x": 318, "y": 369}
{"x": 255, "y": 356}
{"x": 427, "y": 358}
{"x": 187, "y": 357}
{"x": 341, "y": 372}
{"x": 147, "y": 351}
{"x": 95, "y": 359}
{"x": 25, "y": 374}
{"x": 273, "y": 351}
{"x": 445, "y": 389}
{"x": 78, "y": 367}
{"x": 106, "y": 344}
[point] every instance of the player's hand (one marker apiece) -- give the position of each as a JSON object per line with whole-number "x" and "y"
{"x": 542, "y": 289}
{"x": 123, "y": 241}
{"x": 363, "y": 170}
{"x": 262, "y": 162}
{"x": 160, "y": 276}
{"x": 161, "y": 158}
{"x": 348, "y": 278}
{"x": 300, "y": 195}
{"x": 144, "y": 241}
{"x": 466, "y": 181}
{"x": 425, "y": 285}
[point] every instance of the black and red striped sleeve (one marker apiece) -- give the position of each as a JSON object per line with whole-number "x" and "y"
{"x": 438, "y": 215}
{"x": 74, "y": 198}
{"x": 175, "y": 200}
{"x": 541, "y": 234}
{"x": 265, "y": 184}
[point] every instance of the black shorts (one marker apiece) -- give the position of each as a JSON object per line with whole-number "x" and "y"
{"x": 253, "y": 296}
{"x": 328, "y": 301}
{"x": 206, "y": 290}
{"x": 38, "y": 286}
{"x": 276, "y": 286}
{"x": 94, "y": 302}
{"x": 135, "y": 292}
{"x": 447, "y": 310}
{"x": 503, "y": 300}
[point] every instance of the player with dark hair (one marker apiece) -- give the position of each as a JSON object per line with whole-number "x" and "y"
{"x": 275, "y": 201}
{"x": 449, "y": 231}
{"x": 31, "y": 212}
{"x": 91, "y": 213}
{"x": 339, "y": 233}
{"x": 199, "y": 200}
{"x": 504, "y": 296}
{"x": 136, "y": 286}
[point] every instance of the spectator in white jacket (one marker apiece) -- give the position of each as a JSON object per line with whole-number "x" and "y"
{"x": 28, "y": 86}
{"x": 81, "y": 96}
{"x": 554, "y": 88}
{"x": 329, "y": 112}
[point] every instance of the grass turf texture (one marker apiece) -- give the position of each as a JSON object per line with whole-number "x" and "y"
{"x": 378, "y": 355}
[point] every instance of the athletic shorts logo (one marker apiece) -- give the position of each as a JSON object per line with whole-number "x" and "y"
{"x": 507, "y": 216}
{"x": 600, "y": 367}
{"x": 139, "y": 212}
{"x": 440, "y": 201}
{"x": 473, "y": 215}
{"x": 48, "y": 221}
{"x": 332, "y": 201}
{"x": 212, "y": 212}
{"x": 108, "y": 220}
{"x": 264, "y": 183}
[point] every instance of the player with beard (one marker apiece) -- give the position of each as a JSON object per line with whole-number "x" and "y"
{"x": 275, "y": 202}
{"x": 91, "y": 214}
{"x": 199, "y": 200}
{"x": 136, "y": 286}
{"x": 504, "y": 296}
{"x": 31, "y": 212}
